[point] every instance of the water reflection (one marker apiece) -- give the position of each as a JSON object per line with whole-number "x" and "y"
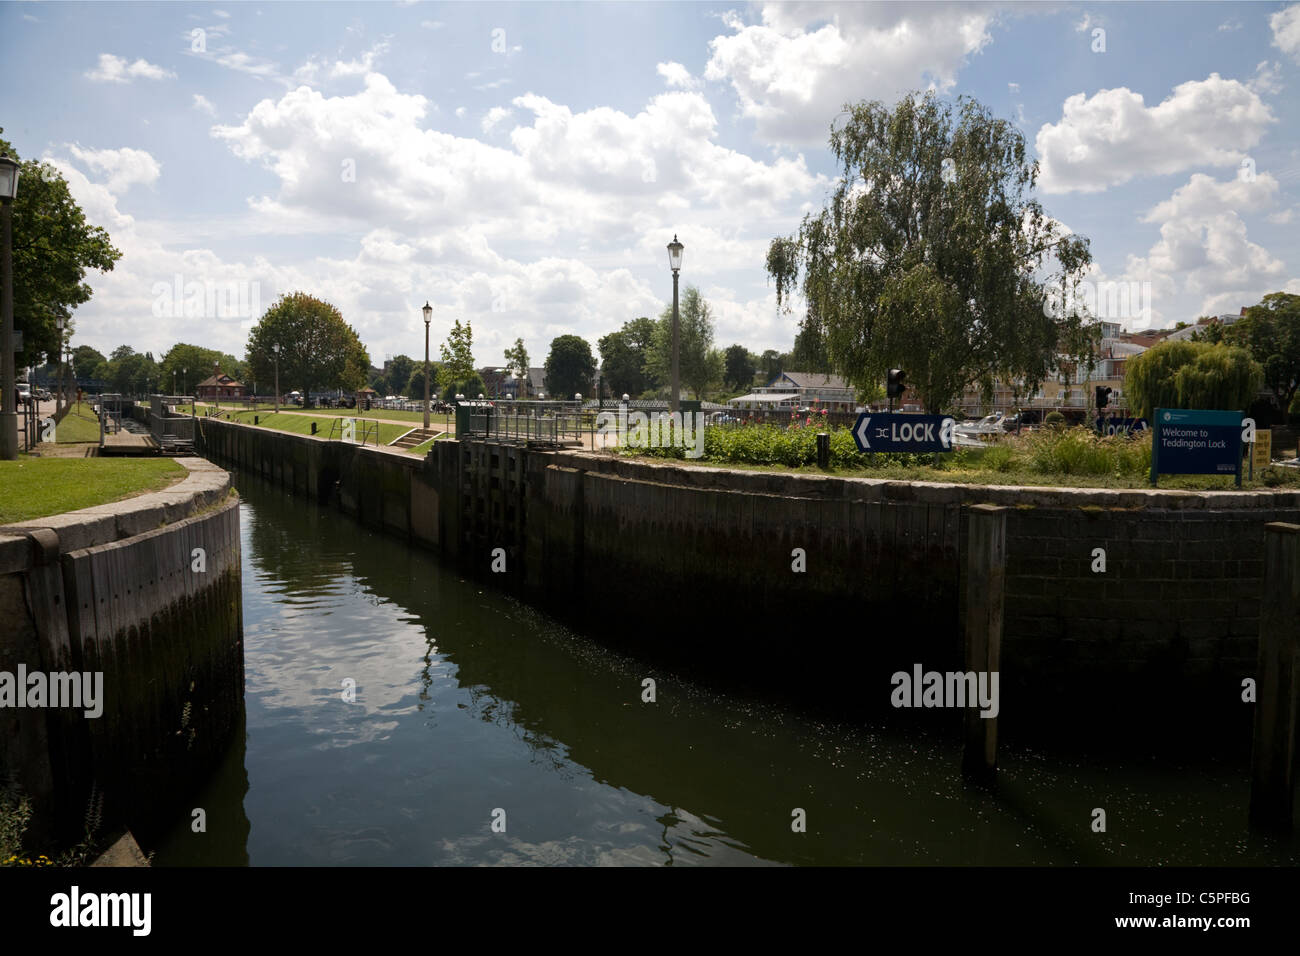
{"x": 468, "y": 702}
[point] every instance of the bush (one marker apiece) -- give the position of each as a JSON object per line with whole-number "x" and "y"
{"x": 1081, "y": 451}
{"x": 1055, "y": 419}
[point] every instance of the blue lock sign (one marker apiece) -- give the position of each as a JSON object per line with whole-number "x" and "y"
{"x": 1195, "y": 442}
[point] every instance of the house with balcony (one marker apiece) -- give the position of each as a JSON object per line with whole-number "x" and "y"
{"x": 794, "y": 390}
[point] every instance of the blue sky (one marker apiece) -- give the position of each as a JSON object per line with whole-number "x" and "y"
{"x": 522, "y": 166}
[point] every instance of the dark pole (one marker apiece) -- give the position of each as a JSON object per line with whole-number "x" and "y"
{"x": 426, "y": 375}
{"x": 9, "y": 417}
{"x": 674, "y": 400}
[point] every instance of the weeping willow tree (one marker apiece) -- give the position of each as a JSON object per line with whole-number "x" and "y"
{"x": 933, "y": 256}
{"x": 1191, "y": 375}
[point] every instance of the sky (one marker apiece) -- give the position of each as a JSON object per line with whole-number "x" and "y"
{"x": 522, "y": 166}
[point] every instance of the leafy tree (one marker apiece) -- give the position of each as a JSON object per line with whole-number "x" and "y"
{"x": 740, "y": 364}
{"x": 413, "y": 387}
{"x": 932, "y": 255}
{"x": 456, "y": 372}
{"x": 399, "y": 372}
{"x": 53, "y": 247}
{"x": 623, "y": 357}
{"x": 88, "y": 362}
{"x": 570, "y": 367}
{"x": 695, "y": 341}
{"x": 517, "y": 362}
{"x": 1271, "y": 330}
{"x": 1191, "y": 375}
{"x": 471, "y": 388}
{"x": 198, "y": 362}
{"x": 318, "y": 350}
{"x": 771, "y": 365}
{"x": 131, "y": 373}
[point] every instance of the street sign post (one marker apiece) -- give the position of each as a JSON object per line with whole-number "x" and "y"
{"x": 1195, "y": 442}
{"x": 892, "y": 432}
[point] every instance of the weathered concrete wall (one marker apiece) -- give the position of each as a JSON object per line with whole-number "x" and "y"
{"x": 694, "y": 565}
{"x": 114, "y": 589}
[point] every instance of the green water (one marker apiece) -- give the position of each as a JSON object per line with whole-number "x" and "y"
{"x": 469, "y": 703}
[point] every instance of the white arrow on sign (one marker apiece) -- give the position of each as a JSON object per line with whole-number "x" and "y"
{"x": 862, "y": 431}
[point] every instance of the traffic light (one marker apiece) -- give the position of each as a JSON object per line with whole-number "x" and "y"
{"x": 1103, "y": 396}
{"x": 896, "y": 382}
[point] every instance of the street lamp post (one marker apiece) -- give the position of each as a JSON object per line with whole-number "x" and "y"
{"x": 428, "y": 317}
{"x": 276, "y": 349}
{"x": 675, "y": 263}
{"x": 8, "y": 383}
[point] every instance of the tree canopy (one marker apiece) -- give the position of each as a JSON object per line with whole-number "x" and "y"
{"x": 699, "y": 364}
{"x": 318, "y": 350}
{"x": 517, "y": 364}
{"x": 53, "y": 247}
{"x": 570, "y": 367}
{"x": 1183, "y": 374}
{"x": 456, "y": 372}
{"x": 624, "y": 355}
{"x": 932, "y": 255}
{"x": 1271, "y": 330}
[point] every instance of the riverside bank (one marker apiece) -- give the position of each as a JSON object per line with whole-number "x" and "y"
{"x": 696, "y": 567}
{"x": 119, "y": 592}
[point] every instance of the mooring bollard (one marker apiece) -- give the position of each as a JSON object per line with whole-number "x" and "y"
{"x": 1277, "y": 701}
{"x": 313, "y": 428}
{"x": 823, "y": 450}
{"x": 985, "y": 584}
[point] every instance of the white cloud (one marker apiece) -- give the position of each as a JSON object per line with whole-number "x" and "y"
{"x": 1268, "y": 78}
{"x": 1112, "y": 136}
{"x": 1285, "y": 25}
{"x": 253, "y": 66}
{"x": 124, "y": 167}
{"x": 494, "y": 116}
{"x": 203, "y": 104}
{"x": 116, "y": 69}
{"x": 1013, "y": 87}
{"x": 1203, "y": 249}
{"x": 460, "y": 112}
{"x": 221, "y": 13}
{"x": 676, "y": 75}
{"x": 432, "y": 24}
{"x": 793, "y": 76}
{"x": 1230, "y": 26}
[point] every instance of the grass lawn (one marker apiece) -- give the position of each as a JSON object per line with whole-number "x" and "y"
{"x": 423, "y": 447}
{"x": 416, "y": 418}
{"x": 79, "y": 425}
{"x": 36, "y": 487}
{"x": 301, "y": 425}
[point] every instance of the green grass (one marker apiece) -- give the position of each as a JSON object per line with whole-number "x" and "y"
{"x": 36, "y": 487}
{"x": 80, "y": 424}
{"x": 301, "y": 425}
{"x": 423, "y": 447}
{"x": 396, "y": 416}
{"x": 1070, "y": 458}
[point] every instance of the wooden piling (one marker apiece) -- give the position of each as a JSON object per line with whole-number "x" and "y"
{"x": 983, "y": 606}
{"x": 1277, "y": 681}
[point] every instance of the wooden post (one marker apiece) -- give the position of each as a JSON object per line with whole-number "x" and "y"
{"x": 985, "y": 580}
{"x": 1277, "y": 681}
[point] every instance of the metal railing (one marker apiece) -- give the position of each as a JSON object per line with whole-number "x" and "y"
{"x": 173, "y": 431}
{"x": 530, "y": 423}
{"x": 345, "y": 429}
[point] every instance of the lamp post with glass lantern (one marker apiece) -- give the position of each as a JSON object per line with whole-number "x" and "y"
{"x": 428, "y": 317}
{"x": 8, "y": 382}
{"x": 275, "y": 350}
{"x": 675, "y": 263}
